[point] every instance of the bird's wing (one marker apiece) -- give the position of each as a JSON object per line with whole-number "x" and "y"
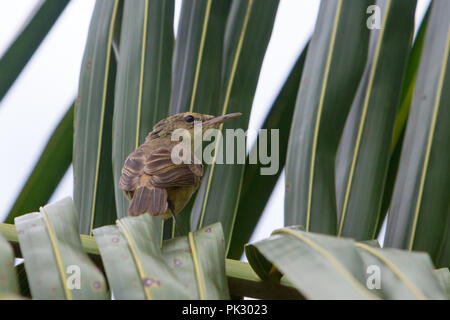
{"x": 132, "y": 170}
{"x": 165, "y": 173}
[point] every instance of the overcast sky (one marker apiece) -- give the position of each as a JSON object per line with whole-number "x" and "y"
{"x": 47, "y": 86}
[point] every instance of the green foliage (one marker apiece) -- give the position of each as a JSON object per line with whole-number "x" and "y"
{"x": 365, "y": 146}
{"x": 247, "y": 34}
{"x": 313, "y": 261}
{"x": 332, "y": 72}
{"x": 30, "y": 37}
{"x": 54, "y": 256}
{"x": 420, "y": 212}
{"x": 93, "y": 182}
{"x": 363, "y": 119}
{"x": 40, "y": 185}
{"x": 191, "y": 267}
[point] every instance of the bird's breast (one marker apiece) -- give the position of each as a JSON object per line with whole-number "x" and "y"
{"x": 180, "y": 196}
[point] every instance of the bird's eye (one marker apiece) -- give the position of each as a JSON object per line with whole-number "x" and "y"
{"x": 189, "y": 119}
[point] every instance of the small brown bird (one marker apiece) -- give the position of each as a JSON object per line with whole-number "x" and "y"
{"x": 154, "y": 183}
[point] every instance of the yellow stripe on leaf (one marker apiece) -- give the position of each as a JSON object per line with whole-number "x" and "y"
{"x": 105, "y": 87}
{"x": 141, "y": 74}
{"x": 136, "y": 258}
{"x": 394, "y": 269}
{"x": 57, "y": 253}
{"x": 331, "y": 259}
{"x": 198, "y": 273}
{"x": 225, "y": 105}
{"x": 363, "y": 118}
{"x": 319, "y": 114}
{"x": 200, "y": 55}
{"x": 430, "y": 142}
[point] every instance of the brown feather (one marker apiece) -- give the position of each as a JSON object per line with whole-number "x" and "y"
{"x": 148, "y": 199}
{"x": 166, "y": 174}
{"x": 132, "y": 170}
{"x": 147, "y": 173}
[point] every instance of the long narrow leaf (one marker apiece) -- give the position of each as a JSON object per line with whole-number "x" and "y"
{"x": 142, "y": 94}
{"x": 247, "y": 35}
{"x": 93, "y": 182}
{"x": 365, "y": 149}
{"x": 40, "y": 185}
{"x": 410, "y": 79}
{"x": 197, "y": 62}
{"x": 30, "y": 37}
{"x": 333, "y": 68}
{"x": 257, "y": 188}
{"x": 418, "y": 217}
{"x": 197, "y": 66}
{"x": 401, "y": 117}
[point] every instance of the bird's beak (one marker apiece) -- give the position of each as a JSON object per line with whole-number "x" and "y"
{"x": 220, "y": 119}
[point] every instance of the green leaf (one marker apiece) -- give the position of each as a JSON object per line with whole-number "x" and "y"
{"x": 443, "y": 258}
{"x": 23, "y": 280}
{"x": 197, "y": 67}
{"x": 419, "y": 211}
{"x": 402, "y": 274}
{"x": 333, "y": 68}
{"x": 257, "y": 188}
{"x": 54, "y": 257}
{"x": 401, "y": 117}
{"x": 92, "y": 167}
{"x": 138, "y": 267}
{"x": 247, "y": 35}
{"x": 142, "y": 93}
{"x": 8, "y": 276}
{"x": 311, "y": 262}
{"x": 197, "y": 61}
{"x": 28, "y": 40}
{"x": 40, "y": 185}
{"x": 241, "y": 278}
{"x": 365, "y": 148}
{"x": 443, "y": 276}
{"x": 410, "y": 80}
{"x": 371, "y": 243}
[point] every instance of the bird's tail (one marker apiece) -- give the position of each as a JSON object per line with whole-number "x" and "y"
{"x": 148, "y": 199}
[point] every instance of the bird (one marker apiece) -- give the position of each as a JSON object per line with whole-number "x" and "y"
{"x": 151, "y": 180}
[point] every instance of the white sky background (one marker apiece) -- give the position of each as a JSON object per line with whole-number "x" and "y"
{"x": 47, "y": 86}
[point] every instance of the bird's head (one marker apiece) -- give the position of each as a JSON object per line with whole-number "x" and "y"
{"x": 187, "y": 120}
